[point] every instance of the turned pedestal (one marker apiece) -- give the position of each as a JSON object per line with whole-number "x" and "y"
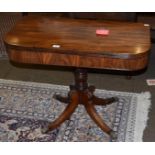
{"x": 81, "y": 93}
{"x": 72, "y": 42}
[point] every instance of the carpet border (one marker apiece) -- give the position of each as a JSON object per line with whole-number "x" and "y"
{"x": 142, "y": 107}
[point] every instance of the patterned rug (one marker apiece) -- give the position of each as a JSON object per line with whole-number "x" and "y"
{"x": 26, "y": 107}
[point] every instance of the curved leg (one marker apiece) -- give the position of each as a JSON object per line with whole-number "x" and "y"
{"x": 96, "y": 118}
{"x": 61, "y": 98}
{"x": 100, "y": 101}
{"x": 66, "y": 113}
{"x": 67, "y": 98}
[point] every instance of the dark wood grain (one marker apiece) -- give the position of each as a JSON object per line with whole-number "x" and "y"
{"x": 126, "y": 48}
{"x": 81, "y": 93}
{"x": 66, "y": 113}
{"x": 75, "y": 60}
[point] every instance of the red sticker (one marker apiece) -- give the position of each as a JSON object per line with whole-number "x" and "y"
{"x": 103, "y": 32}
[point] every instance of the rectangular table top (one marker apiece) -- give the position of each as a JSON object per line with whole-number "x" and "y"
{"x": 73, "y": 42}
{"x": 79, "y": 36}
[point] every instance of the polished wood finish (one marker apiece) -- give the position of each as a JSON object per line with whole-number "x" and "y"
{"x": 32, "y": 39}
{"x": 72, "y": 105}
{"x": 81, "y": 93}
{"x": 46, "y": 58}
{"x": 70, "y": 42}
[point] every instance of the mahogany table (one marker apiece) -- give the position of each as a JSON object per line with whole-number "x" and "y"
{"x": 73, "y": 42}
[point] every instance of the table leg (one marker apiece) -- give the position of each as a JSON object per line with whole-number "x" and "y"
{"x": 80, "y": 93}
{"x": 66, "y": 113}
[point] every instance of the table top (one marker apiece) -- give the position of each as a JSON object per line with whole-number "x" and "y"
{"x": 125, "y": 39}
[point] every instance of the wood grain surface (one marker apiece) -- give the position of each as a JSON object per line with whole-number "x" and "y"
{"x": 73, "y": 42}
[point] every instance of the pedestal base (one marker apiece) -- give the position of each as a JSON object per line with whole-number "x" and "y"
{"x": 81, "y": 93}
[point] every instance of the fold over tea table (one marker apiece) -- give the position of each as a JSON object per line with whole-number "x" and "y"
{"x": 81, "y": 44}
